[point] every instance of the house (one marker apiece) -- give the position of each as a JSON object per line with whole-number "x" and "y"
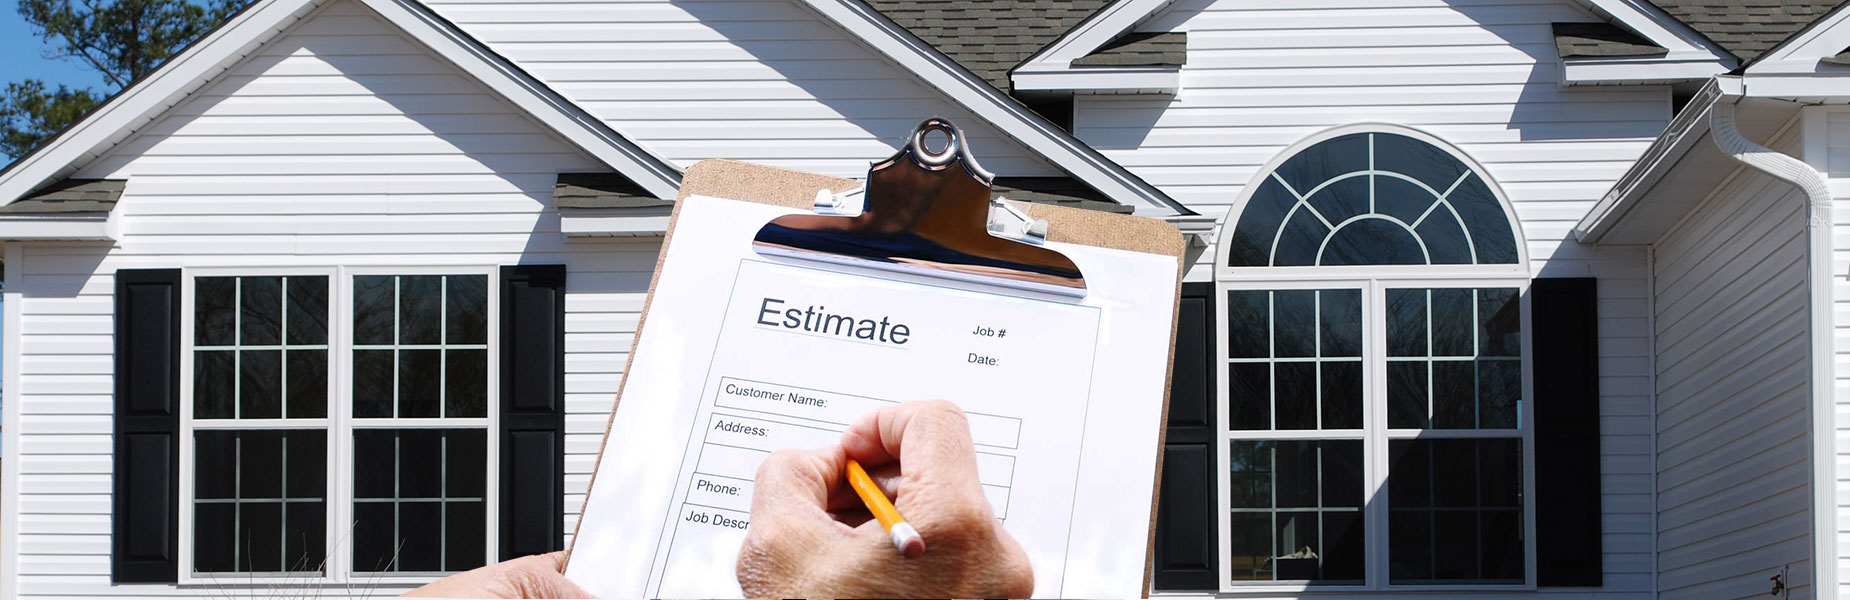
{"x": 1495, "y": 298}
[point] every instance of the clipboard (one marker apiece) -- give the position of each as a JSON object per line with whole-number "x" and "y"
{"x": 759, "y": 184}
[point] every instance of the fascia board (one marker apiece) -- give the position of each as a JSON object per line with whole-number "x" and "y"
{"x": 1631, "y": 70}
{"x": 1684, "y": 131}
{"x": 89, "y": 227}
{"x": 145, "y": 100}
{"x": 1662, "y": 29}
{"x": 654, "y": 173}
{"x": 1813, "y": 88}
{"x": 1158, "y": 80}
{"x": 987, "y": 103}
{"x": 1086, "y": 38}
{"x": 587, "y": 225}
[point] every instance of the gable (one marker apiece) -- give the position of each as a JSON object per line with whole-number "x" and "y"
{"x": 340, "y": 101}
{"x": 765, "y": 81}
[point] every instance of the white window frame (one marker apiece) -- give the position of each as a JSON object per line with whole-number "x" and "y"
{"x": 1373, "y": 281}
{"x": 339, "y": 425}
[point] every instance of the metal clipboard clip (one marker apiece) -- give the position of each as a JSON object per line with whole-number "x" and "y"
{"x": 927, "y": 213}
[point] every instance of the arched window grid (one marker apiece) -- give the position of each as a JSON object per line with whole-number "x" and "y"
{"x": 1440, "y": 200}
{"x": 1442, "y": 205}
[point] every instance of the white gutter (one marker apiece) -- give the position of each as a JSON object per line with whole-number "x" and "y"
{"x": 1818, "y": 282}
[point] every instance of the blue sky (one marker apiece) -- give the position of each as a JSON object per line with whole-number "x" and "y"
{"x": 22, "y": 55}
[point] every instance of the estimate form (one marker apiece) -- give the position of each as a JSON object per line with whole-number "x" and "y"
{"x": 745, "y": 353}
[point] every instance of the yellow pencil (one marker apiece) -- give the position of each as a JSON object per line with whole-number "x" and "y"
{"x": 905, "y": 538}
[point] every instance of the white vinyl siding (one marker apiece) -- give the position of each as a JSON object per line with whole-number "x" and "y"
{"x": 766, "y": 81}
{"x": 1483, "y": 75}
{"x": 1734, "y": 449}
{"x": 399, "y": 163}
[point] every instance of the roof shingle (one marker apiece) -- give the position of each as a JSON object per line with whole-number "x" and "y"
{"x": 988, "y": 37}
{"x": 1747, "y": 28}
{"x": 1140, "y": 50}
{"x": 1587, "y": 40}
{"x": 70, "y": 196}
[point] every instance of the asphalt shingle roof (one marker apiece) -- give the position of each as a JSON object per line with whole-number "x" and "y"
{"x": 1747, "y": 27}
{"x": 70, "y": 196}
{"x": 988, "y": 37}
{"x": 601, "y": 190}
{"x": 1140, "y": 50}
{"x": 1587, "y": 40}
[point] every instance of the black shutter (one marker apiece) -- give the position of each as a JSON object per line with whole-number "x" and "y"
{"x": 145, "y": 531}
{"x": 532, "y": 409}
{"x": 1565, "y": 321}
{"x": 1187, "y": 552}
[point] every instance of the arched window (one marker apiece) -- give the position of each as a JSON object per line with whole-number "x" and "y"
{"x": 1373, "y": 425}
{"x": 1372, "y": 198}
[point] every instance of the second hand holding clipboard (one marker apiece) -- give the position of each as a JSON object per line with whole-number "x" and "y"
{"x": 1058, "y": 353}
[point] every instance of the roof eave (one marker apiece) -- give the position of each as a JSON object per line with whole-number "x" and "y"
{"x": 1684, "y": 131}
{"x": 83, "y": 227}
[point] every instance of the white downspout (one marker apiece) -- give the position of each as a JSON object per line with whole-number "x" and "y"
{"x": 1818, "y": 281}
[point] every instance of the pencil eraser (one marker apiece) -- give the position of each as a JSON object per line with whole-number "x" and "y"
{"x": 907, "y": 540}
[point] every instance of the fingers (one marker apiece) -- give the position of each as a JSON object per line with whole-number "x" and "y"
{"x": 930, "y": 441}
{"x": 798, "y": 486}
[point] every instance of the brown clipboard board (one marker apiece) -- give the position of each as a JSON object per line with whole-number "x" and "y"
{"x": 747, "y": 182}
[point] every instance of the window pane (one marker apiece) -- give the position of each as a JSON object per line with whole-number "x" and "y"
{"x": 260, "y": 311}
{"x": 1499, "y": 392}
{"x": 1249, "y": 391}
{"x": 373, "y": 300}
{"x": 1373, "y": 241}
{"x": 1295, "y": 395}
{"x": 1455, "y": 511}
{"x": 215, "y": 311}
{"x": 419, "y": 382}
{"x": 466, "y": 309}
{"x": 1406, "y": 322}
{"x": 1297, "y": 510}
{"x": 1341, "y": 385}
{"x": 214, "y": 384}
{"x": 418, "y": 494}
{"x": 1294, "y": 318}
{"x": 465, "y": 391}
{"x": 373, "y": 383}
{"x": 1249, "y": 317}
{"x": 258, "y": 503}
{"x": 420, "y": 309}
{"x": 1454, "y": 391}
{"x": 1339, "y": 314}
{"x": 1407, "y": 397}
{"x": 260, "y": 378}
{"x": 1500, "y": 315}
{"x": 308, "y": 383}
{"x": 1453, "y": 332}
{"x": 308, "y": 311}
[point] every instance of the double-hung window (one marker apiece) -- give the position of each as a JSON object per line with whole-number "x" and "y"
{"x": 1372, "y": 358}
{"x": 337, "y": 425}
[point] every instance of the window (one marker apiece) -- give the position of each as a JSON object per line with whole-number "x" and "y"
{"x": 1373, "y": 432}
{"x": 338, "y": 425}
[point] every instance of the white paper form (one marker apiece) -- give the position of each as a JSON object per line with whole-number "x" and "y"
{"x": 743, "y": 354}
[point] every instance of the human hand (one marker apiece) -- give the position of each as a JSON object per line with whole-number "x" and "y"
{"x": 810, "y": 536}
{"x": 538, "y": 576}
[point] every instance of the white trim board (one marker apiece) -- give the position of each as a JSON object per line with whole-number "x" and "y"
{"x": 986, "y": 102}
{"x": 145, "y": 100}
